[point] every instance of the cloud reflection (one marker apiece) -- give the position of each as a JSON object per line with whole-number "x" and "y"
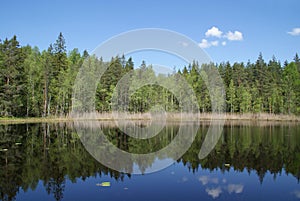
{"x": 297, "y": 194}
{"x": 235, "y": 188}
{"x": 214, "y": 192}
{"x": 184, "y": 179}
{"x": 221, "y": 186}
{"x": 205, "y": 180}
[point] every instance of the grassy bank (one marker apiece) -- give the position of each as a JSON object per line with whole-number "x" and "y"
{"x": 20, "y": 120}
{"x": 147, "y": 116}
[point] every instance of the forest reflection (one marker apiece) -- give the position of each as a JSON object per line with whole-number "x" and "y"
{"x": 53, "y": 153}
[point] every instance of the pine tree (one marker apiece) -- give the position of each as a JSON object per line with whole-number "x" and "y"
{"x": 256, "y": 99}
{"x": 58, "y": 87}
{"x": 12, "y": 91}
{"x": 129, "y": 65}
{"x": 231, "y": 97}
{"x": 297, "y": 62}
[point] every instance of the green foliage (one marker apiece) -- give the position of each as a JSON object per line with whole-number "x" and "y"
{"x": 12, "y": 88}
{"x": 231, "y": 96}
{"x": 34, "y": 86}
{"x": 291, "y": 89}
{"x": 34, "y": 83}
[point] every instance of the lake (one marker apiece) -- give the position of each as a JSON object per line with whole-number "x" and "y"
{"x": 251, "y": 161}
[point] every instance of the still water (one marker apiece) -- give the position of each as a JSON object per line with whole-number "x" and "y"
{"x": 251, "y": 161}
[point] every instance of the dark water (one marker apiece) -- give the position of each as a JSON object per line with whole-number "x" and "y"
{"x": 252, "y": 161}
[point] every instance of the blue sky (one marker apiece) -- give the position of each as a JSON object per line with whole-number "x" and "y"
{"x": 248, "y": 27}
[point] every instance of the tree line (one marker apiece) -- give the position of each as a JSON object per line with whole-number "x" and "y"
{"x": 36, "y": 83}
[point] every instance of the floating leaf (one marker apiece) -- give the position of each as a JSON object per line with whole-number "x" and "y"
{"x": 106, "y": 184}
{"x": 4, "y": 150}
{"x": 18, "y": 143}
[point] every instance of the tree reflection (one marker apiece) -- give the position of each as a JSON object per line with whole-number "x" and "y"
{"x": 53, "y": 153}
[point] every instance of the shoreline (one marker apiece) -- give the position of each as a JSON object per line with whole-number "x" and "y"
{"x": 147, "y": 117}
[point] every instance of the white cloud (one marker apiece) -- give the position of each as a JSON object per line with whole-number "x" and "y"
{"x": 295, "y": 32}
{"x": 204, "y": 44}
{"x": 214, "y": 32}
{"x": 236, "y": 35}
{"x": 214, "y": 192}
{"x": 215, "y": 43}
{"x": 184, "y": 44}
{"x": 235, "y": 188}
{"x": 230, "y": 36}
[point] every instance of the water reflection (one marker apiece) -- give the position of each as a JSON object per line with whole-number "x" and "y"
{"x": 207, "y": 179}
{"x": 235, "y": 188}
{"x": 215, "y": 187}
{"x": 52, "y": 155}
{"x": 214, "y": 192}
{"x": 137, "y": 155}
{"x": 297, "y": 193}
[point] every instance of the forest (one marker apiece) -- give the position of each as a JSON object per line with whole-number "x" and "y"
{"x": 36, "y": 83}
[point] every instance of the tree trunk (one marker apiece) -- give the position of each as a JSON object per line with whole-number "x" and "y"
{"x": 45, "y": 98}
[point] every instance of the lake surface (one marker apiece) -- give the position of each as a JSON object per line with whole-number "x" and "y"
{"x": 251, "y": 161}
